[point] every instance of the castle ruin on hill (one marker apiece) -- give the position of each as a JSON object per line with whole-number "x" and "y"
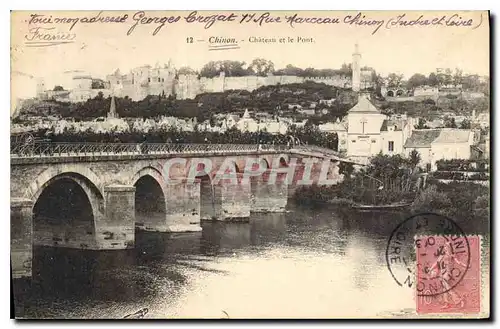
{"x": 165, "y": 80}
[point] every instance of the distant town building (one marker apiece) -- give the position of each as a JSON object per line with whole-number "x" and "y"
{"x": 247, "y": 124}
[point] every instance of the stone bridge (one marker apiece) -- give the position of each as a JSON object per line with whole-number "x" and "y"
{"x": 94, "y": 196}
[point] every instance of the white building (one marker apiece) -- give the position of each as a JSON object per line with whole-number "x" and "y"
{"x": 394, "y": 133}
{"x": 364, "y": 121}
{"x": 436, "y": 144}
{"x": 247, "y": 124}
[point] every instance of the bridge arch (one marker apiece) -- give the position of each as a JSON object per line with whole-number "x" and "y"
{"x": 35, "y": 188}
{"x": 390, "y": 93}
{"x": 283, "y": 160}
{"x": 66, "y": 211}
{"x": 150, "y": 199}
{"x": 151, "y": 171}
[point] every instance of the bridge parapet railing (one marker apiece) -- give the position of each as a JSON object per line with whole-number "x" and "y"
{"x": 48, "y": 149}
{"x": 314, "y": 148}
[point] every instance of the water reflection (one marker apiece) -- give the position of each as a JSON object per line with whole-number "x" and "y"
{"x": 270, "y": 260}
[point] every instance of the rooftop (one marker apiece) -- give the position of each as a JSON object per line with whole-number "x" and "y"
{"x": 364, "y": 106}
{"x": 397, "y": 123}
{"x": 422, "y": 138}
{"x": 425, "y": 137}
{"x": 451, "y": 136}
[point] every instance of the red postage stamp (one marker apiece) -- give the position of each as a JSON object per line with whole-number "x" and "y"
{"x": 448, "y": 274}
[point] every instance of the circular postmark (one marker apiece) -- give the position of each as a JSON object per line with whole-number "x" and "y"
{"x": 428, "y": 251}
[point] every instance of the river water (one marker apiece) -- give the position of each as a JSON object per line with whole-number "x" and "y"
{"x": 300, "y": 264}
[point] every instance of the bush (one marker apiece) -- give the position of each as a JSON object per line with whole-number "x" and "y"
{"x": 463, "y": 196}
{"x": 431, "y": 200}
{"x": 462, "y": 165}
{"x": 314, "y": 194}
{"x": 481, "y": 208}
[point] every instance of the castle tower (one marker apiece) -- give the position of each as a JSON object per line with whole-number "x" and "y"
{"x": 40, "y": 87}
{"x": 356, "y": 69}
{"x": 112, "y": 109}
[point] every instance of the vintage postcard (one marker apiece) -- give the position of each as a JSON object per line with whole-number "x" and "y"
{"x": 250, "y": 164}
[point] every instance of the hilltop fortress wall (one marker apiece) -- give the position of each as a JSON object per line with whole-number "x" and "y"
{"x": 188, "y": 86}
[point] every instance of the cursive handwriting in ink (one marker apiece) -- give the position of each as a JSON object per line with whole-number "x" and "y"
{"x": 47, "y": 34}
{"x": 140, "y": 17}
{"x": 210, "y": 19}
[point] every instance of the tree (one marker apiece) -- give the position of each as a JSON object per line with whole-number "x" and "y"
{"x": 346, "y": 69}
{"x": 421, "y": 124}
{"x": 290, "y": 70}
{"x": 186, "y": 70}
{"x": 448, "y": 76}
{"x": 261, "y": 67}
{"x": 58, "y": 88}
{"x": 416, "y": 80}
{"x": 457, "y": 77}
{"x": 414, "y": 159}
{"x": 465, "y": 124}
{"x": 471, "y": 82}
{"x": 230, "y": 68}
{"x": 394, "y": 80}
{"x": 386, "y": 166}
{"x": 97, "y": 84}
{"x": 433, "y": 80}
{"x": 450, "y": 123}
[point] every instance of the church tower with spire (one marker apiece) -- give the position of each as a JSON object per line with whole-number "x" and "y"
{"x": 112, "y": 109}
{"x": 356, "y": 69}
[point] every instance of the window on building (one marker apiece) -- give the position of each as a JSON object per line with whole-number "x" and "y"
{"x": 159, "y": 80}
{"x": 149, "y": 79}
{"x": 354, "y": 141}
{"x": 391, "y": 146}
{"x": 374, "y": 141}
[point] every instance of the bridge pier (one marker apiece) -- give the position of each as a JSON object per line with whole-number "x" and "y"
{"x": 183, "y": 206}
{"x": 117, "y": 229}
{"x": 269, "y": 196}
{"x": 21, "y": 238}
{"x": 226, "y": 200}
{"x": 235, "y": 199}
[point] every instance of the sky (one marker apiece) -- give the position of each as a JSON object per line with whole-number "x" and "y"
{"x": 100, "y": 48}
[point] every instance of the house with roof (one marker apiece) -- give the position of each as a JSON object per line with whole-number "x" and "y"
{"x": 365, "y": 131}
{"x": 437, "y": 144}
{"x": 247, "y": 123}
{"x": 394, "y": 133}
